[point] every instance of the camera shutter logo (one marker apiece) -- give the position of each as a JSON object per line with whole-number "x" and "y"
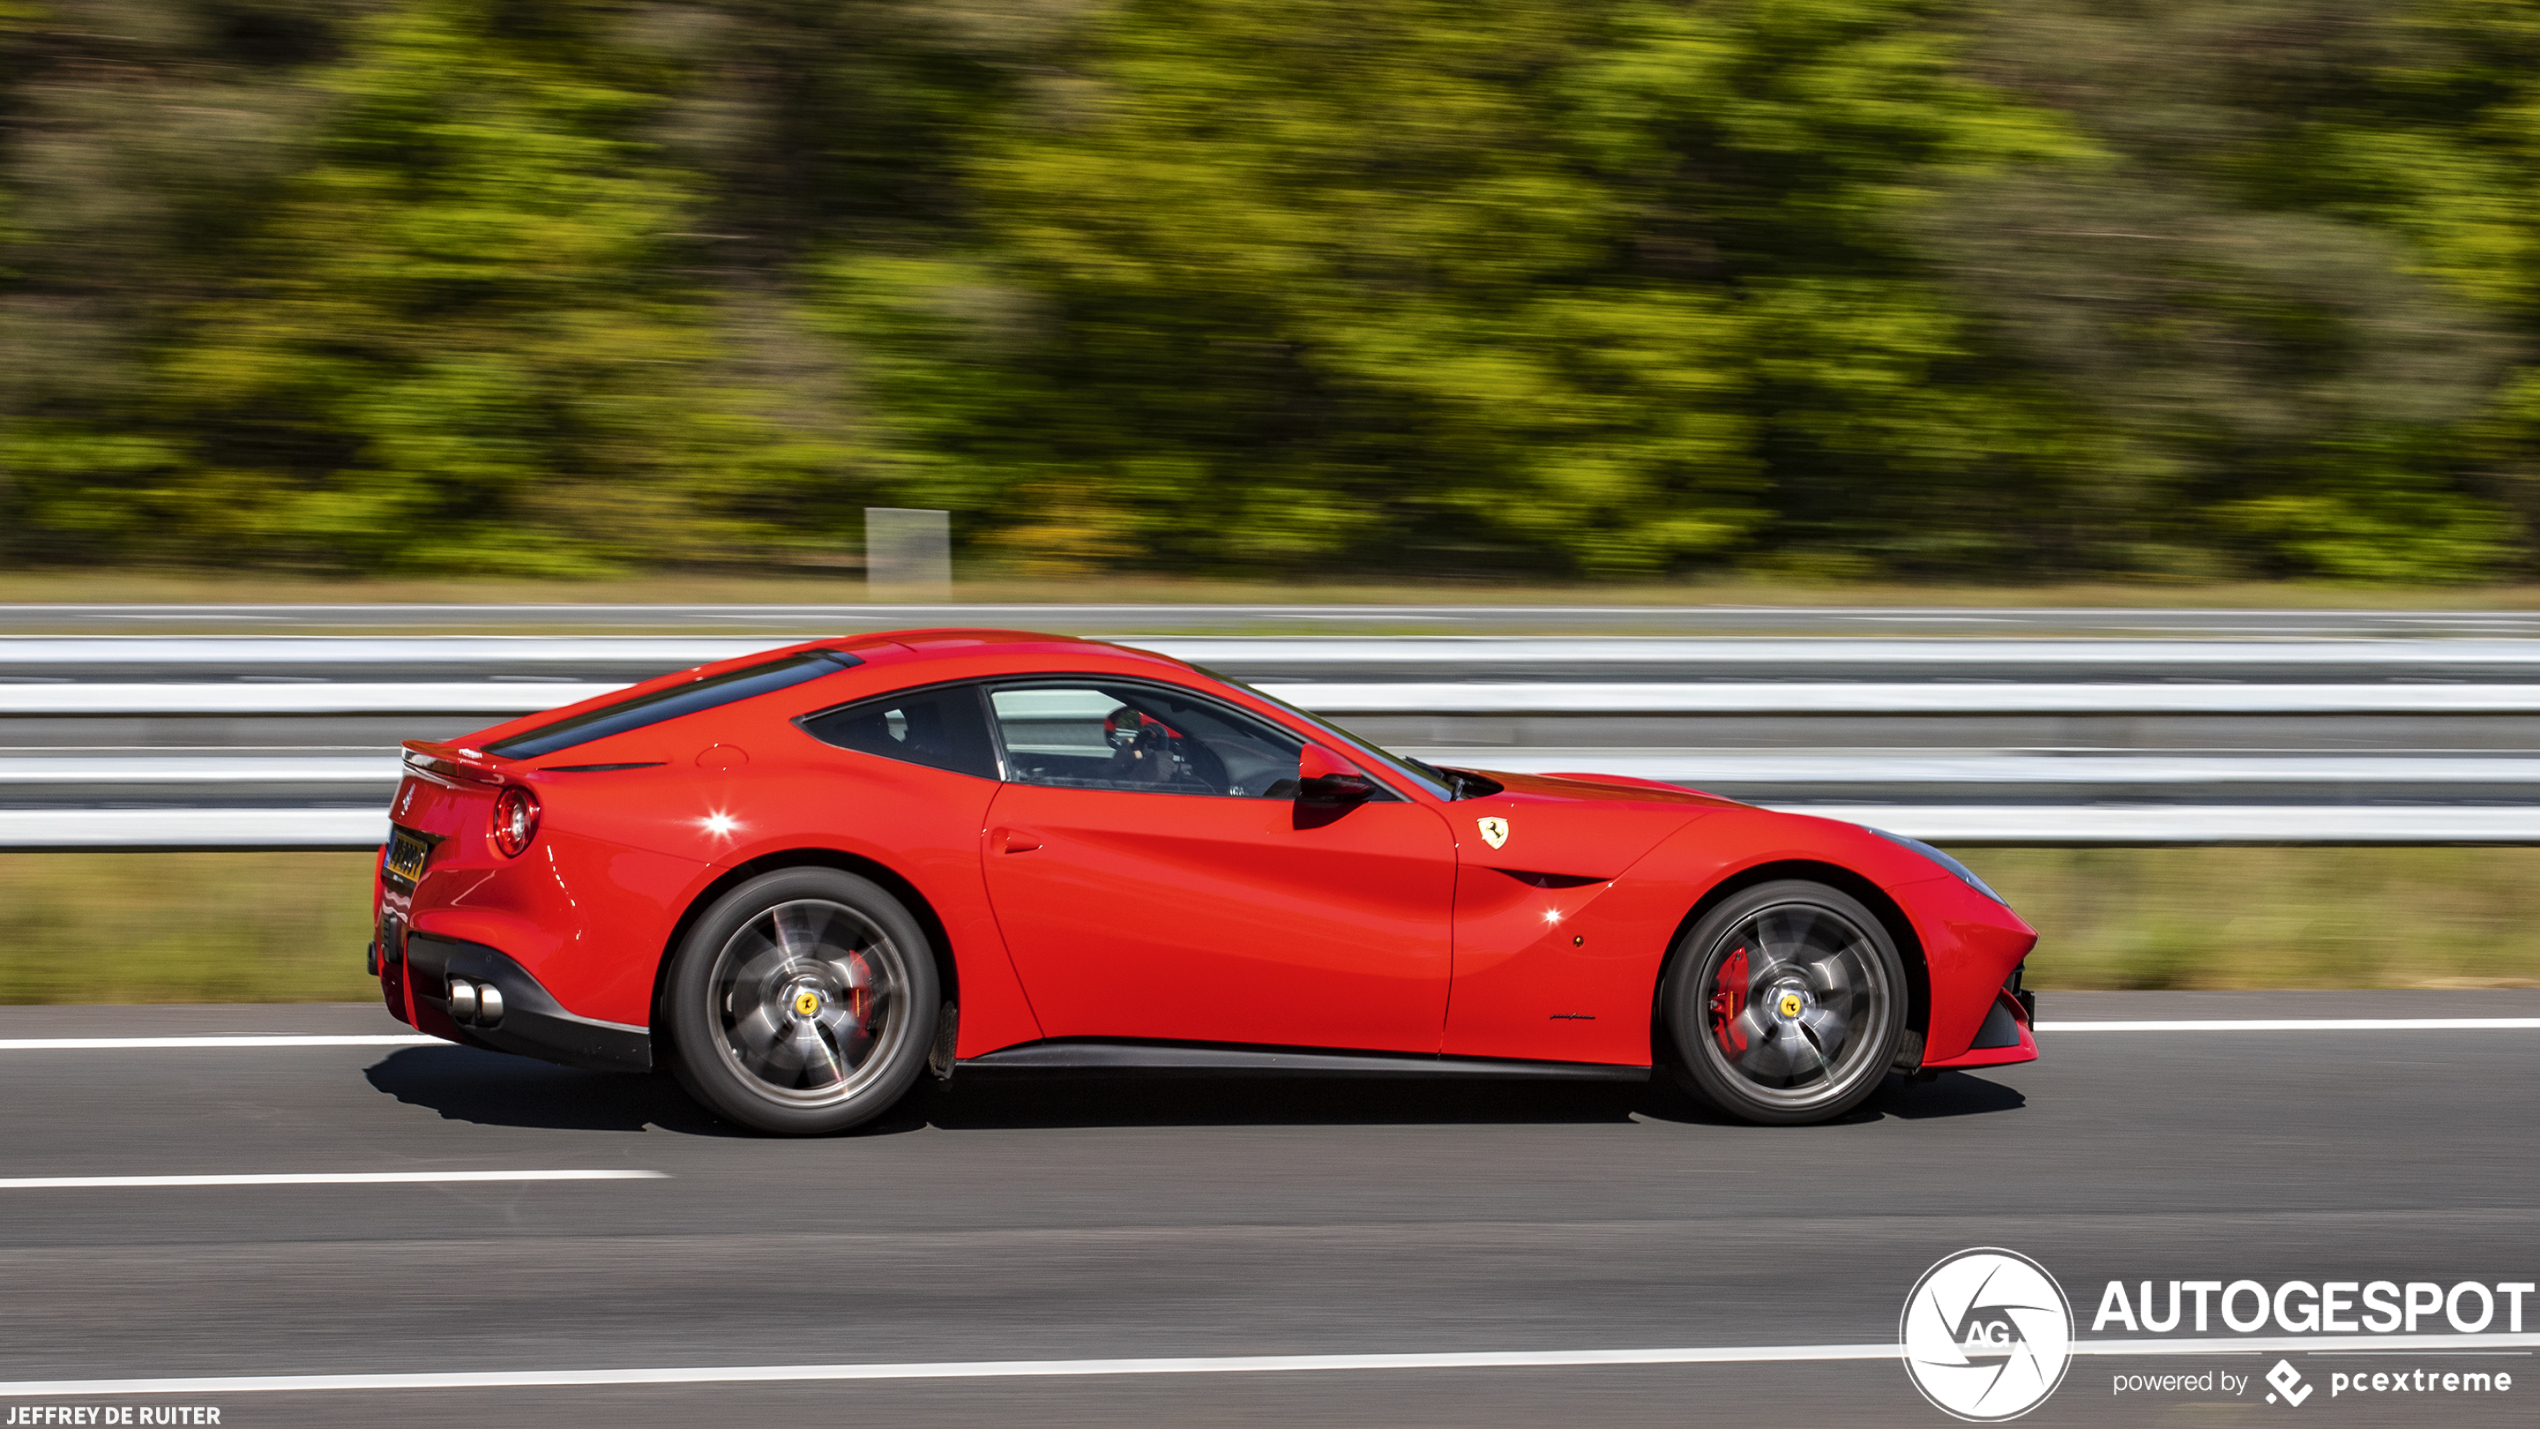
{"x": 1987, "y": 1335}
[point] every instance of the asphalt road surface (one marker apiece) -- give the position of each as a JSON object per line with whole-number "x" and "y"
{"x": 1003, "y": 1218}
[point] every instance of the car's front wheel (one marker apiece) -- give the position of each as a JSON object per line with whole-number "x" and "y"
{"x": 1787, "y": 1002}
{"x": 802, "y": 1002}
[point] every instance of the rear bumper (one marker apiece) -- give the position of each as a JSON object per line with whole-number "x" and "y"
{"x": 418, "y": 967}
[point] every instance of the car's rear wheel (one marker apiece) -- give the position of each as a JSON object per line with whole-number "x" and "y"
{"x": 803, "y": 1002}
{"x": 1786, "y": 1003}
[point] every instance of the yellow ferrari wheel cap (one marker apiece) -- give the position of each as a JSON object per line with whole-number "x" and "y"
{"x": 1790, "y": 1004}
{"x": 806, "y": 1003}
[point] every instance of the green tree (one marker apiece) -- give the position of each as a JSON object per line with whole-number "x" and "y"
{"x": 1621, "y": 288}
{"x": 469, "y": 343}
{"x": 1782, "y": 155}
{"x": 138, "y": 140}
{"x": 2444, "y": 149}
{"x": 1546, "y": 287}
{"x": 1299, "y": 283}
{"x": 2269, "y": 378}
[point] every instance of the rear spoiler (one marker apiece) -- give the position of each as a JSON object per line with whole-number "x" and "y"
{"x": 455, "y": 761}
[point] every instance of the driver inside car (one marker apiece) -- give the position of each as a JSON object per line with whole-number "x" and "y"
{"x": 1144, "y": 750}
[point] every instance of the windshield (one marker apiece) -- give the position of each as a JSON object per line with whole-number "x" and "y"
{"x": 1444, "y": 783}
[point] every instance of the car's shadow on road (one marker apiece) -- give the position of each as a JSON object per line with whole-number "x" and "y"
{"x": 1949, "y": 1094}
{"x": 1009, "y": 1100}
{"x": 494, "y": 1089}
{"x": 463, "y": 1084}
{"x": 1012, "y": 1101}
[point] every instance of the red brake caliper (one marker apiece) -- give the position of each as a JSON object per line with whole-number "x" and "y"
{"x": 1728, "y": 1003}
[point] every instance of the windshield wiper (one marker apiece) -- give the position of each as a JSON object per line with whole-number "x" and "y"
{"x": 1463, "y": 782}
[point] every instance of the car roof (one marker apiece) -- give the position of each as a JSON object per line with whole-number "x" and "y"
{"x": 955, "y": 637}
{"x": 951, "y": 642}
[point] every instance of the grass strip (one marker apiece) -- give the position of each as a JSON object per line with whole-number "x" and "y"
{"x": 289, "y": 927}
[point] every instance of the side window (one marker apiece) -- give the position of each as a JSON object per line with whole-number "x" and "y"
{"x": 941, "y": 728}
{"x": 1140, "y": 737}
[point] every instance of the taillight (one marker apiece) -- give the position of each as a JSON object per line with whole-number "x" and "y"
{"x": 515, "y": 820}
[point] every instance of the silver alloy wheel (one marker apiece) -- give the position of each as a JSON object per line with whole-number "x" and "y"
{"x": 812, "y": 1000}
{"x": 1794, "y": 1003}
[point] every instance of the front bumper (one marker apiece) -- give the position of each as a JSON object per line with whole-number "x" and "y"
{"x": 415, "y": 970}
{"x": 2006, "y": 1036}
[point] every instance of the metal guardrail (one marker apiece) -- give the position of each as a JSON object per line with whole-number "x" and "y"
{"x": 328, "y": 697}
{"x": 350, "y": 697}
{"x": 2205, "y": 657}
{"x": 313, "y": 771}
{"x": 1884, "y": 698}
{"x": 1960, "y": 825}
{"x": 1756, "y": 772}
{"x": 1706, "y": 768}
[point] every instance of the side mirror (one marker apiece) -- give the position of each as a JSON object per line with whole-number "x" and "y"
{"x": 1323, "y": 777}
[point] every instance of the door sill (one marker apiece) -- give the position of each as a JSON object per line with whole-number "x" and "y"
{"x": 1212, "y": 1059}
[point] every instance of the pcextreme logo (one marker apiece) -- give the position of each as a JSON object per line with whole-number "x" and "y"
{"x": 1987, "y": 1335}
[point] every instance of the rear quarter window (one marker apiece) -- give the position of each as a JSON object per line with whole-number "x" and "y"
{"x": 714, "y": 691}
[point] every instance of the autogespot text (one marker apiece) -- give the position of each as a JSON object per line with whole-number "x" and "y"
{"x": 2302, "y": 1307}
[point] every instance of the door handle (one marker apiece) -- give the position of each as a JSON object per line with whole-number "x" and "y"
{"x": 1017, "y": 840}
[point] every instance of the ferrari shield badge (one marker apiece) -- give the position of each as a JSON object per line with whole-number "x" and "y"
{"x": 1494, "y": 832}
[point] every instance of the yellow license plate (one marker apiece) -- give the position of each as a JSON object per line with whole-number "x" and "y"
{"x": 406, "y": 854}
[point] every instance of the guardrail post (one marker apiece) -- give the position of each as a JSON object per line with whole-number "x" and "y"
{"x": 907, "y": 554}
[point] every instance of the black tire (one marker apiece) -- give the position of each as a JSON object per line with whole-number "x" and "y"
{"x": 1786, "y": 1003}
{"x": 803, "y": 1002}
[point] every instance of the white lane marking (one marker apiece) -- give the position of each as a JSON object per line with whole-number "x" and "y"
{"x": 1200, "y": 1364}
{"x": 318, "y": 1178}
{"x": 2314, "y": 1024}
{"x": 959, "y": 1369}
{"x": 110, "y": 1044}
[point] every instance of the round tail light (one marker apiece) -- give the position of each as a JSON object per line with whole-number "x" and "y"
{"x": 515, "y": 821}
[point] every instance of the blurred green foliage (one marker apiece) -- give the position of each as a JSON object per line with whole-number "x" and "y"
{"x": 2273, "y": 917}
{"x": 2197, "y": 290}
{"x": 185, "y": 927}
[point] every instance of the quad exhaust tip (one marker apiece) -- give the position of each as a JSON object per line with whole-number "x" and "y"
{"x": 475, "y": 1004}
